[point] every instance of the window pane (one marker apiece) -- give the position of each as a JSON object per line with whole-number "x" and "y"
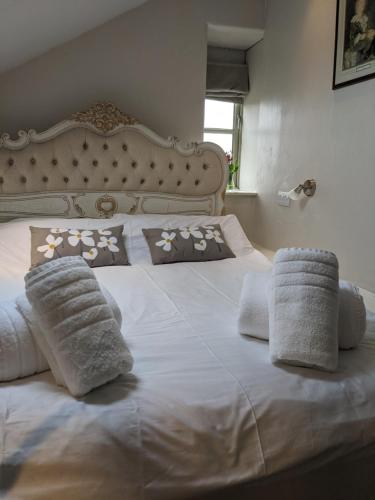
{"x": 218, "y": 114}
{"x": 223, "y": 140}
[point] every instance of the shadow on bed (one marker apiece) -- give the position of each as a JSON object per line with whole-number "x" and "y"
{"x": 11, "y": 465}
{"x": 120, "y": 389}
{"x": 347, "y": 478}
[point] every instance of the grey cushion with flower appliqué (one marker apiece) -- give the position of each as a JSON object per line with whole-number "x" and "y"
{"x": 99, "y": 247}
{"x": 187, "y": 244}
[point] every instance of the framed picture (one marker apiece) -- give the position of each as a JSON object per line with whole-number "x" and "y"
{"x": 355, "y": 42}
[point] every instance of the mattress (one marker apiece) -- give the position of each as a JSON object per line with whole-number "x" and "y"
{"x": 203, "y": 410}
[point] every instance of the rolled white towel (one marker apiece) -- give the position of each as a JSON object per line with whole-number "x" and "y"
{"x": 352, "y": 316}
{"x": 76, "y": 324}
{"x": 23, "y": 356}
{"x": 253, "y": 314}
{"x": 370, "y": 323}
{"x": 25, "y": 308}
{"x": 112, "y": 304}
{"x": 303, "y": 308}
{"x": 19, "y": 353}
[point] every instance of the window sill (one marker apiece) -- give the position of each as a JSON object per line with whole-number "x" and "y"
{"x": 240, "y": 192}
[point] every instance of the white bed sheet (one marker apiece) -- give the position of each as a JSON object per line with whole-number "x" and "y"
{"x": 203, "y": 409}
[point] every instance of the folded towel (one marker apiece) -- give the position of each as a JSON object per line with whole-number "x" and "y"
{"x": 19, "y": 354}
{"x": 25, "y": 308}
{"x": 370, "y": 324}
{"x": 253, "y": 315}
{"x": 23, "y": 354}
{"x": 112, "y": 304}
{"x": 77, "y": 324}
{"x": 352, "y": 316}
{"x": 303, "y": 307}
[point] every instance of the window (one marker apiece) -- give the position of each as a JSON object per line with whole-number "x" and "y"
{"x": 222, "y": 125}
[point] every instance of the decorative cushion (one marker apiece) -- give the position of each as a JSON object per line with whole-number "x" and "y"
{"x": 187, "y": 244}
{"x": 99, "y": 247}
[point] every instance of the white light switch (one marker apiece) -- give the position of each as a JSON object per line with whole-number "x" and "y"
{"x": 283, "y": 199}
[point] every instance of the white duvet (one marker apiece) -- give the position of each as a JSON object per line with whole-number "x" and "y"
{"x": 204, "y": 407}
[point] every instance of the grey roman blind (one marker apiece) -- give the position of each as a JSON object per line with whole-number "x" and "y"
{"x": 227, "y": 74}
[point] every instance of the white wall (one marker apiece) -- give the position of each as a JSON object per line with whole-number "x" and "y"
{"x": 151, "y": 62}
{"x": 243, "y": 206}
{"x": 296, "y": 128}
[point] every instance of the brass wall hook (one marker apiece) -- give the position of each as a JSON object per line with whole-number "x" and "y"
{"x": 308, "y": 188}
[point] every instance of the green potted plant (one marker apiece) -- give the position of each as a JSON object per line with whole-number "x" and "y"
{"x": 233, "y": 167}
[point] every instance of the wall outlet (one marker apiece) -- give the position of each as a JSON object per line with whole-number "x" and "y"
{"x": 283, "y": 199}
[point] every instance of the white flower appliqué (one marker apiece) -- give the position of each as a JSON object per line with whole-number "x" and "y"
{"x": 166, "y": 242}
{"x": 58, "y": 230}
{"x": 186, "y": 232}
{"x": 108, "y": 243}
{"x": 214, "y": 235}
{"x": 201, "y": 246}
{"x": 91, "y": 254}
{"x": 78, "y": 236}
{"x": 104, "y": 232}
{"x": 52, "y": 243}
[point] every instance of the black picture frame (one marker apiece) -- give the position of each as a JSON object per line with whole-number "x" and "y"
{"x": 343, "y": 24}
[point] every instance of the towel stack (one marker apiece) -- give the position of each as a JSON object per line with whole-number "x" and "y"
{"x": 65, "y": 322}
{"x": 303, "y": 309}
{"x": 78, "y": 332}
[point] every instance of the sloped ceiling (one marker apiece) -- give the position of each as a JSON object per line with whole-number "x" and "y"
{"x": 233, "y": 37}
{"x": 29, "y": 28}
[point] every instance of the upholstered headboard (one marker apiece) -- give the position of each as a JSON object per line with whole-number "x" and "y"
{"x": 102, "y": 161}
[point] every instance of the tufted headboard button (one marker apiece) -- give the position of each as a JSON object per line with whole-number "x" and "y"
{"x": 196, "y": 182}
{"x": 66, "y": 180}
{"x": 85, "y": 145}
{"x": 105, "y": 146}
{"x": 115, "y": 163}
{"x": 178, "y": 183}
{"x": 187, "y": 166}
{"x": 152, "y": 165}
{"x": 205, "y": 166}
{"x": 54, "y": 161}
{"x": 10, "y": 162}
{"x": 86, "y": 179}
{"x": 142, "y": 181}
{"x": 45, "y": 178}
{"x": 171, "y": 166}
{"x": 1, "y": 180}
{"x": 124, "y": 179}
{"x": 23, "y": 179}
{"x": 124, "y": 147}
{"x": 134, "y": 164}
{"x": 75, "y": 163}
{"x": 105, "y": 179}
{"x": 95, "y": 163}
{"x": 32, "y": 161}
{"x": 160, "y": 182}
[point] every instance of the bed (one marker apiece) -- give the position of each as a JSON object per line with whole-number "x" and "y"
{"x": 204, "y": 413}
